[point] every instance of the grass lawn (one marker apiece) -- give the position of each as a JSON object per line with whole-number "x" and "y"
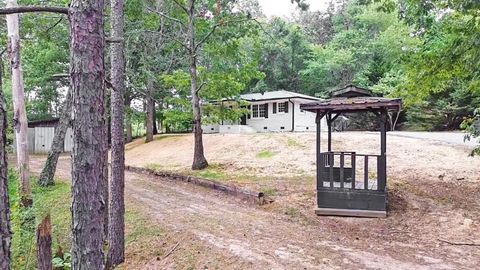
{"x": 141, "y": 239}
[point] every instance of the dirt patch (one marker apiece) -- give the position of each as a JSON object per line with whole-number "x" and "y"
{"x": 427, "y": 203}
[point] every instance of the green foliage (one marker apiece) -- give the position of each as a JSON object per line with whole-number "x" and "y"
{"x": 443, "y": 71}
{"x": 64, "y": 263}
{"x": 53, "y": 200}
{"x": 283, "y": 53}
{"x": 44, "y": 52}
{"x": 472, "y": 126}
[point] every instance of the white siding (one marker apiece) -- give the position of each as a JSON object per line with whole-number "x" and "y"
{"x": 31, "y": 140}
{"x": 68, "y": 144}
{"x": 275, "y": 121}
{"x": 40, "y": 140}
{"x": 281, "y": 122}
{"x": 207, "y": 129}
{"x": 305, "y": 121}
{"x": 43, "y": 139}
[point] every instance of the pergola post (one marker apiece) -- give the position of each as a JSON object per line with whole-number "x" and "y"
{"x": 382, "y": 173}
{"x": 329, "y": 124}
{"x": 319, "y": 158}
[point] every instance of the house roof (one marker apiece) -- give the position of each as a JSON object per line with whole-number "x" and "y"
{"x": 353, "y": 104}
{"x": 281, "y": 94}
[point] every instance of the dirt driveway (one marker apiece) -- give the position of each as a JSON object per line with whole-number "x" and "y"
{"x": 452, "y": 137}
{"x": 214, "y": 231}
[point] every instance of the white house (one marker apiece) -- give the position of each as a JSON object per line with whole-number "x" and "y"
{"x": 276, "y": 111}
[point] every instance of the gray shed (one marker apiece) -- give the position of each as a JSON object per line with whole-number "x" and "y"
{"x": 40, "y": 136}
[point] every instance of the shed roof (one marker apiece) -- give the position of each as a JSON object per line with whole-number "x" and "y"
{"x": 353, "y": 104}
{"x": 352, "y": 91}
{"x": 281, "y": 94}
{"x": 51, "y": 122}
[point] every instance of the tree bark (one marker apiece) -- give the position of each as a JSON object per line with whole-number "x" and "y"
{"x": 44, "y": 245}
{"x": 105, "y": 174}
{"x": 5, "y": 234}
{"x": 28, "y": 9}
{"x": 149, "y": 111}
{"x": 19, "y": 112}
{"x": 47, "y": 176}
{"x": 154, "y": 115}
{"x": 128, "y": 120}
{"x": 116, "y": 223}
{"x": 87, "y": 73}
{"x": 199, "y": 160}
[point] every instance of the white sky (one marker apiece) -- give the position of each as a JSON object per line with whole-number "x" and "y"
{"x": 284, "y": 8}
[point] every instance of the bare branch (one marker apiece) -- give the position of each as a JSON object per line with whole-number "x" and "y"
{"x": 173, "y": 38}
{"x": 27, "y": 9}
{"x": 60, "y": 76}
{"x": 266, "y": 32}
{"x": 200, "y": 87}
{"x": 214, "y": 28}
{"x": 181, "y": 6}
{"x": 113, "y": 40}
{"x": 55, "y": 24}
{"x": 166, "y": 16}
{"x": 206, "y": 37}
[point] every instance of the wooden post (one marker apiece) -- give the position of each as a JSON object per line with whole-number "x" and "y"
{"x": 329, "y": 123}
{"x": 319, "y": 160}
{"x": 382, "y": 177}
{"x": 342, "y": 172}
{"x": 354, "y": 168}
{"x": 44, "y": 244}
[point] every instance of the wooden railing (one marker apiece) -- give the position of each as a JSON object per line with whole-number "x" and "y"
{"x": 340, "y": 169}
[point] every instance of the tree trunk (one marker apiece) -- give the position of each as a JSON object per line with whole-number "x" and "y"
{"x": 128, "y": 120}
{"x": 5, "y": 234}
{"x": 44, "y": 245}
{"x": 105, "y": 177}
{"x": 150, "y": 111}
{"x": 116, "y": 223}
{"x": 87, "y": 74}
{"x": 47, "y": 176}
{"x": 20, "y": 115}
{"x": 199, "y": 160}
{"x": 154, "y": 114}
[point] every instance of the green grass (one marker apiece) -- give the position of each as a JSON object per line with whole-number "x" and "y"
{"x": 143, "y": 237}
{"x": 294, "y": 144}
{"x": 53, "y": 200}
{"x": 213, "y": 172}
{"x": 265, "y": 154}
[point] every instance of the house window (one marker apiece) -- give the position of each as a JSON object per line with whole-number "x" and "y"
{"x": 255, "y": 111}
{"x": 283, "y": 107}
{"x": 259, "y": 111}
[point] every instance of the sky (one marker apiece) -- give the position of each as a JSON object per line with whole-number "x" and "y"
{"x": 284, "y": 8}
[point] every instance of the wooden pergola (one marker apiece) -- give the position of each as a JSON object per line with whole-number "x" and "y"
{"x": 345, "y": 185}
